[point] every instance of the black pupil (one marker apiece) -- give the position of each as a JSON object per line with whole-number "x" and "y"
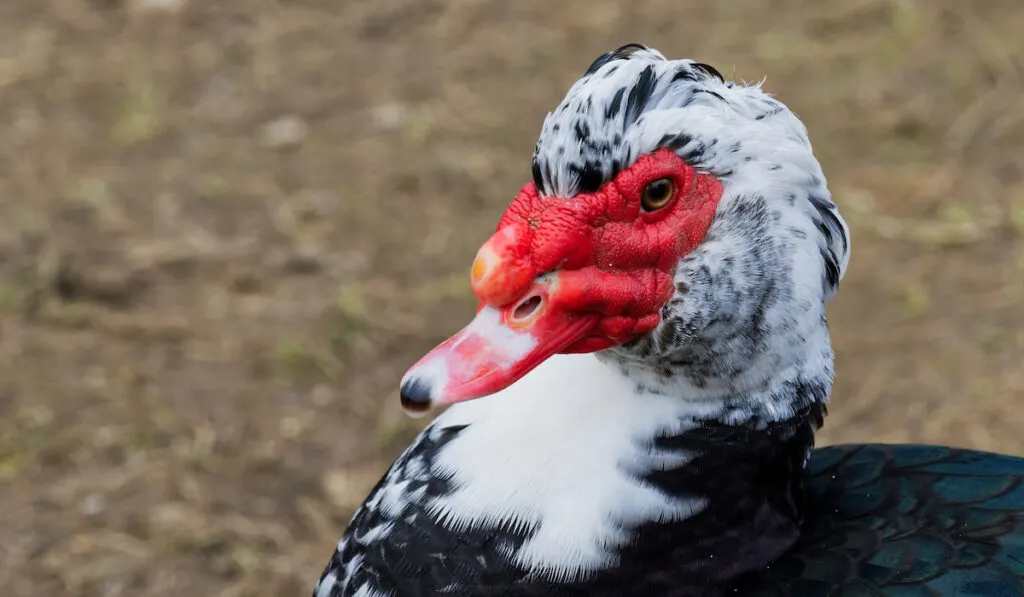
{"x": 658, "y": 191}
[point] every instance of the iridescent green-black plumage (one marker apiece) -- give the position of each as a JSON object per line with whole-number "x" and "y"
{"x": 904, "y": 521}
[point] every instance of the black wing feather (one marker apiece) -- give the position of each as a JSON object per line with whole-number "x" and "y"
{"x": 904, "y": 521}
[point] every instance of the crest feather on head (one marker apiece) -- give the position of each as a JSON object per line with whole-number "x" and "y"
{"x": 633, "y": 101}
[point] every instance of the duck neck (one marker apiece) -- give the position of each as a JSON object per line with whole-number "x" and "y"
{"x": 593, "y": 480}
{"x": 747, "y": 468}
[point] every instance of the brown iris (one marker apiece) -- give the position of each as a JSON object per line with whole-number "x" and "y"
{"x": 657, "y": 194}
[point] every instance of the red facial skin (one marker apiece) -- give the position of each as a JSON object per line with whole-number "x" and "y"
{"x": 600, "y": 265}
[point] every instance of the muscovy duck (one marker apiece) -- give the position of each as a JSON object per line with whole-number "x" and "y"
{"x": 652, "y": 344}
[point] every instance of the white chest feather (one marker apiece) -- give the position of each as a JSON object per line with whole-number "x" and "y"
{"x": 560, "y": 451}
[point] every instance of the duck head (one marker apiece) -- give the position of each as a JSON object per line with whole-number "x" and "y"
{"x": 676, "y": 223}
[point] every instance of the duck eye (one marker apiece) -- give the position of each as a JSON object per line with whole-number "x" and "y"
{"x": 657, "y": 194}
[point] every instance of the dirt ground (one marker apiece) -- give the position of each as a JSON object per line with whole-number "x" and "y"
{"x": 228, "y": 227}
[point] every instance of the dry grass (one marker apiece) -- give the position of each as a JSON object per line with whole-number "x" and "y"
{"x": 230, "y": 226}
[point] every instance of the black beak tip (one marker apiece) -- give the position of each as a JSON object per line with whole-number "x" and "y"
{"x": 415, "y": 395}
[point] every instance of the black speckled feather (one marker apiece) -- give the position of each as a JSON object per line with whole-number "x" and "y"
{"x": 862, "y": 520}
{"x": 751, "y": 473}
{"x": 904, "y": 521}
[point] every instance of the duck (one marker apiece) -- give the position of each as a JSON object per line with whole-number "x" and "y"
{"x": 632, "y": 409}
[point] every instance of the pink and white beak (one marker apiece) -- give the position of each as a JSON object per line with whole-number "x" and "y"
{"x": 502, "y": 343}
{"x": 485, "y": 357}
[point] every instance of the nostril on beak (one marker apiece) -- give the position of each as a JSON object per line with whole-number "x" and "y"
{"x": 527, "y": 308}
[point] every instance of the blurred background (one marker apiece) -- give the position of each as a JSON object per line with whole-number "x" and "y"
{"x": 226, "y": 229}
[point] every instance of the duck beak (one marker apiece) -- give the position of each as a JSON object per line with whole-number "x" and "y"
{"x": 498, "y": 347}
